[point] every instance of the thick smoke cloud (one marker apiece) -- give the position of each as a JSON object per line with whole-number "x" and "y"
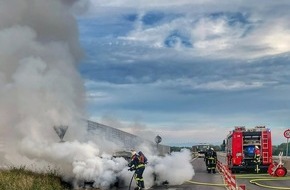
{"x": 40, "y": 88}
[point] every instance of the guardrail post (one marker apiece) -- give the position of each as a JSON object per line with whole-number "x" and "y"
{"x": 242, "y": 187}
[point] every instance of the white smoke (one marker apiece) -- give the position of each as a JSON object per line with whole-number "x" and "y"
{"x": 40, "y": 88}
{"x": 102, "y": 170}
{"x": 180, "y": 164}
{"x": 174, "y": 168}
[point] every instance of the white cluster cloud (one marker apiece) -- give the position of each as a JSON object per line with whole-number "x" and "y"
{"x": 240, "y": 31}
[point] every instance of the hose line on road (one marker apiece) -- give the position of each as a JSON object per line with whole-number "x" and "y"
{"x": 206, "y": 184}
{"x": 254, "y": 181}
{"x": 254, "y": 176}
{"x": 264, "y": 177}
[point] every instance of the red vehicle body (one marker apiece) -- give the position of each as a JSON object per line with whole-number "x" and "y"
{"x": 240, "y": 147}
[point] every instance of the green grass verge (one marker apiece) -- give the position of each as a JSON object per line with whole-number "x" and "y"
{"x": 22, "y": 179}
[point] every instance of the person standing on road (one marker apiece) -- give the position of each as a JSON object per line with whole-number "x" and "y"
{"x": 206, "y": 156}
{"x": 211, "y": 161}
{"x": 137, "y": 163}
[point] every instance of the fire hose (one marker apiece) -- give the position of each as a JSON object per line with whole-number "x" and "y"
{"x": 131, "y": 181}
{"x": 131, "y": 169}
{"x": 256, "y": 179}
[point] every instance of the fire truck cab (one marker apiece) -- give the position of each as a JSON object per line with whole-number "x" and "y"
{"x": 240, "y": 148}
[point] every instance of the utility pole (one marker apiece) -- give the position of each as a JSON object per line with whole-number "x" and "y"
{"x": 287, "y": 135}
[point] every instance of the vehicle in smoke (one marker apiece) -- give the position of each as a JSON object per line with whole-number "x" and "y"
{"x": 119, "y": 182}
{"x": 124, "y": 154}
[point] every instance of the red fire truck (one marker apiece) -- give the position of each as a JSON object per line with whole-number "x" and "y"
{"x": 240, "y": 148}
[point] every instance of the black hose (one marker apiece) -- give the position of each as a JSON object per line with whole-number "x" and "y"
{"x": 131, "y": 181}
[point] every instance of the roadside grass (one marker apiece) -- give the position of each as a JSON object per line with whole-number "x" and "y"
{"x": 23, "y": 179}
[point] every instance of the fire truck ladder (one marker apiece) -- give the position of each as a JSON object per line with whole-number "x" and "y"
{"x": 265, "y": 147}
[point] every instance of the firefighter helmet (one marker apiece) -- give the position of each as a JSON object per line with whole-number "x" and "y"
{"x": 133, "y": 152}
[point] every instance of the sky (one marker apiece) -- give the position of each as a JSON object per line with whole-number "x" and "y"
{"x": 186, "y": 70}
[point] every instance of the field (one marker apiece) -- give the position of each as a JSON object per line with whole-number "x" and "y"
{"x": 22, "y": 179}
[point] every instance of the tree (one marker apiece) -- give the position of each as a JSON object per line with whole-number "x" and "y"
{"x": 281, "y": 148}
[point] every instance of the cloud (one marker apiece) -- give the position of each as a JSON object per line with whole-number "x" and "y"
{"x": 166, "y": 62}
{"x": 207, "y": 28}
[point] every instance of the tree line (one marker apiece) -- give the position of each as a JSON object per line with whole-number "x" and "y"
{"x": 276, "y": 149}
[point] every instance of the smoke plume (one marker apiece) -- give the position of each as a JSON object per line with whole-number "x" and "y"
{"x": 41, "y": 90}
{"x": 40, "y": 86}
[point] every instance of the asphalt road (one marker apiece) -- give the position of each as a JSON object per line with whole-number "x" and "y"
{"x": 203, "y": 180}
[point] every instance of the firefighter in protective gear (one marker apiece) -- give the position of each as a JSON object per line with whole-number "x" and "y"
{"x": 257, "y": 158}
{"x": 211, "y": 160}
{"x": 257, "y": 155}
{"x": 206, "y": 156}
{"x": 139, "y": 167}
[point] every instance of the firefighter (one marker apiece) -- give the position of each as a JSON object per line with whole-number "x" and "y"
{"x": 211, "y": 160}
{"x": 257, "y": 153}
{"x": 257, "y": 158}
{"x": 206, "y": 156}
{"x": 139, "y": 167}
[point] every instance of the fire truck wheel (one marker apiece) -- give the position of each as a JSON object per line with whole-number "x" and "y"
{"x": 271, "y": 169}
{"x": 280, "y": 172}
